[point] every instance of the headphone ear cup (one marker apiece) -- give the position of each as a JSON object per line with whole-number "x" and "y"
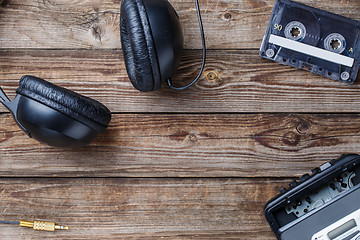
{"x": 138, "y": 46}
{"x": 72, "y": 104}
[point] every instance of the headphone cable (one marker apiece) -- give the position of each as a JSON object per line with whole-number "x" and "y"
{"x": 38, "y": 225}
{"x": 203, "y": 57}
{"x": 7, "y": 222}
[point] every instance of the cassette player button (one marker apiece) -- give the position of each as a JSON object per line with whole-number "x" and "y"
{"x": 283, "y": 190}
{"x": 293, "y": 184}
{"x": 304, "y": 177}
{"x": 315, "y": 171}
{"x": 325, "y": 166}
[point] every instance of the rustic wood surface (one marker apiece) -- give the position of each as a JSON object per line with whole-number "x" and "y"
{"x": 233, "y": 81}
{"x": 146, "y": 208}
{"x": 196, "y": 164}
{"x": 191, "y": 145}
{"x": 230, "y": 24}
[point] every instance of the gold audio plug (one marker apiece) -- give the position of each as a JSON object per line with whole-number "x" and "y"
{"x": 43, "y": 225}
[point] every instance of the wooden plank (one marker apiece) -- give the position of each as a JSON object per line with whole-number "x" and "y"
{"x": 95, "y": 24}
{"x": 212, "y": 145}
{"x": 139, "y": 208}
{"x": 233, "y": 81}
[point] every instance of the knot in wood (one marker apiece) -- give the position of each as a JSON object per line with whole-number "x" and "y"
{"x": 302, "y": 128}
{"x": 212, "y": 76}
{"x": 97, "y": 32}
{"x": 291, "y": 139}
{"x": 227, "y": 15}
{"x": 192, "y": 138}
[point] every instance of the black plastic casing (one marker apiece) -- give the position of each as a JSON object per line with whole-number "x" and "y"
{"x": 50, "y": 126}
{"x": 274, "y": 208}
{"x": 329, "y": 23}
{"x": 167, "y": 35}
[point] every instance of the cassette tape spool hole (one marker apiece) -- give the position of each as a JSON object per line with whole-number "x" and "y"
{"x": 295, "y": 30}
{"x": 335, "y": 42}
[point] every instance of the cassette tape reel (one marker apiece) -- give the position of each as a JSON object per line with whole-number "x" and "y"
{"x": 314, "y": 40}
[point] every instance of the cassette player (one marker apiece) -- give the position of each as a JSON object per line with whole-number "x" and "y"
{"x": 314, "y": 40}
{"x": 322, "y": 206}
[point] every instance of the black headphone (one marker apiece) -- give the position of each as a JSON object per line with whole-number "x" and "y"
{"x": 152, "y": 41}
{"x": 54, "y": 115}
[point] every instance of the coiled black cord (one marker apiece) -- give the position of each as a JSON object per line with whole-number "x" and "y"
{"x": 204, "y": 53}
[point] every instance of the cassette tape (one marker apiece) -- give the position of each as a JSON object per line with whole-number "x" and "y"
{"x": 314, "y": 40}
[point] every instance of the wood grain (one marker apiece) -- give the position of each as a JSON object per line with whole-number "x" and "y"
{"x": 234, "y": 81}
{"x": 247, "y": 122}
{"x": 89, "y": 24}
{"x": 139, "y": 208}
{"x": 189, "y": 145}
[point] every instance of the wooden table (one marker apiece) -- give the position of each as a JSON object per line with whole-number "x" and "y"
{"x": 196, "y": 164}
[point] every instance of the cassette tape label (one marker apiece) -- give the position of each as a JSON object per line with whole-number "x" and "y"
{"x": 310, "y": 50}
{"x": 312, "y": 39}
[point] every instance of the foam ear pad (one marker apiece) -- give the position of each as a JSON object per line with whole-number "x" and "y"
{"x": 63, "y": 100}
{"x": 138, "y": 46}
